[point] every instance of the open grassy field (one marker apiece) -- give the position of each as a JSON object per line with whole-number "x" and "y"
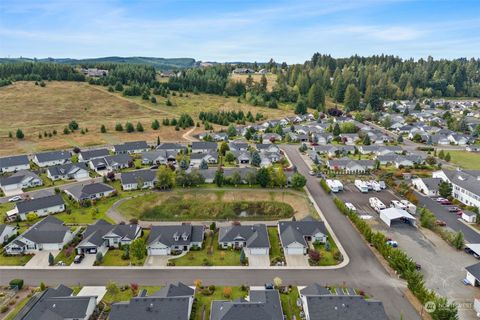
{"x": 135, "y": 207}
{"x": 37, "y": 110}
{"x": 271, "y": 79}
{"x": 466, "y": 160}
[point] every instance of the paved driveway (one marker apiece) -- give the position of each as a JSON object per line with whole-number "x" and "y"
{"x": 156, "y": 261}
{"x": 40, "y": 259}
{"x": 296, "y": 260}
{"x": 88, "y": 291}
{"x": 258, "y": 260}
{"x": 88, "y": 261}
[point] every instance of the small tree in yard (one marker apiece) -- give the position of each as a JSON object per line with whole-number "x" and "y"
{"x": 445, "y": 189}
{"x": 203, "y": 165}
{"x": 51, "y": 259}
{"x": 134, "y": 287}
{"x": 243, "y": 258}
{"x": 448, "y": 157}
{"x": 137, "y": 248}
{"x": 458, "y": 241}
{"x": 314, "y": 255}
{"x": 197, "y": 283}
{"x": 111, "y": 176}
{"x": 42, "y": 286}
{"x": 103, "y": 129}
{"x": 213, "y": 226}
{"x": 298, "y": 181}
{"x": 112, "y": 288}
{"x": 227, "y": 292}
{"x": 99, "y": 258}
{"x": 139, "y": 127}
{"x": 277, "y": 281}
{"x": 229, "y": 157}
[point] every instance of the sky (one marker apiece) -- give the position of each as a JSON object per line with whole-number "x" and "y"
{"x": 239, "y": 30}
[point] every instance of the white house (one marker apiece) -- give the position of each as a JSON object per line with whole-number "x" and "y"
{"x": 132, "y": 180}
{"x": 40, "y": 206}
{"x": 53, "y": 158}
{"x": 162, "y": 240}
{"x": 465, "y": 185}
{"x": 296, "y": 235}
{"x": 15, "y": 163}
{"x": 427, "y": 186}
{"x": 253, "y": 239}
{"x": 69, "y": 171}
{"x": 18, "y": 181}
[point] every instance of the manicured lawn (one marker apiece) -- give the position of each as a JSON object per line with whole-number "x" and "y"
{"x": 466, "y": 160}
{"x": 127, "y": 294}
{"x": 327, "y": 257}
{"x": 16, "y": 260}
{"x": 275, "y": 246}
{"x": 113, "y": 257}
{"x": 62, "y": 256}
{"x": 205, "y": 301}
{"x": 289, "y": 304}
{"x": 216, "y": 257}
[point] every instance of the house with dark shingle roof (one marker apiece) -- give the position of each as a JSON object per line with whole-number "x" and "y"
{"x": 6, "y": 232}
{"x": 92, "y": 191}
{"x": 102, "y": 235}
{"x": 87, "y": 155}
{"x": 159, "y": 157}
{"x": 18, "y": 181}
{"x": 53, "y": 158}
{"x": 197, "y": 158}
{"x": 473, "y": 274}
{"x": 132, "y": 147}
{"x": 173, "y": 302}
{"x": 172, "y": 147}
{"x": 204, "y": 147}
{"x": 40, "y": 206}
{"x": 58, "y": 304}
{"x": 319, "y": 303}
{"x": 111, "y": 163}
{"x": 15, "y": 163}
{"x": 254, "y": 238}
{"x": 162, "y": 240}
{"x": 295, "y": 235}
{"x": 47, "y": 234}
{"x": 75, "y": 171}
{"x": 143, "y": 179}
{"x": 348, "y": 166}
{"x": 260, "y": 304}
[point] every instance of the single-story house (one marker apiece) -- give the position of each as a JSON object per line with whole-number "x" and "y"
{"x": 15, "y": 163}
{"x": 243, "y": 157}
{"x": 427, "y": 186}
{"x": 53, "y": 158}
{"x": 254, "y": 238}
{"x": 102, "y": 235}
{"x": 47, "y": 234}
{"x": 267, "y": 147}
{"x": 204, "y": 147}
{"x": 111, "y": 163}
{"x": 172, "y": 147}
{"x": 351, "y": 166}
{"x": 197, "y": 158}
{"x": 74, "y": 171}
{"x": 40, "y": 206}
{"x": 469, "y": 216}
{"x": 162, "y": 240}
{"x": 473, "y": 274}
{"x": 238, "y": 145}
{"x": 87, "y": 155}
{"x": 58, "y": 303}
{"x": 132, "y": 147}
{"x": 173, "y": 301}
{"x": 143, "y": 179}
{"x": 90, "y": 191}
{"x": 159, "y": 157}
{"x": 7, "y": 231}
{"x": 18, "y": 181}
{"x": 295, "y": 235}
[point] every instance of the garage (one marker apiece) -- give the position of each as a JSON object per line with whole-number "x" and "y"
{"x": 294, "y": 250}
{"x": 259, "y": 251}
{"x": 392, "y": 215}
{"x": 152, "y": 251}
{"x": 473, "y": 274}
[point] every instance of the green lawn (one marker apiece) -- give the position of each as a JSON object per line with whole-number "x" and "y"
{"x": 113, "y": 257}
{"x": 216, "y": 257}
{"x": 62, "y": 256}
{"x": 126, "y": 295}
{"x": 327, "y": 257}
{"x": 466, "y": 160}
{"x": 81, "y": 215}
{"x": 16, "y": 260}
{"x": 275, "y": 245}
{"x": 205, "y": 301}
{"x": 289, "y": 304}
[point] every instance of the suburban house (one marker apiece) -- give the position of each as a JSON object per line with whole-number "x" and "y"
{"x": 111, "y": 163}
{"x": 172, "y": 147}
{"x": 6, "y": 232}
{"x": 242, "y": 157}
{"x": 173, "y": 301}
{"x": 58, "y": 303}
{"x": 319, "y": 303}
{"x": 87, "y": 155}
{"x": 133, "y": 147}
{"x": 204, "y": 147}
{"x": 139, "y": 179}
{"x": 400, "y": 160}
{"x": 70, "y": 171}
{"x": 260, "y": 304}
{"x": 197, "y": 158}
{"x": 157, "y": 157}
{"x": 427, "y": 186}
{"x": 102, "y": 235}
{"x": 15, "y": 163}
{"x": 90, "y": 191}
{"x": 465, "y": 185}
{"x": 18, "y": 181}
{"x": 333, "y": 151}
{"x": 268, "y": 158}
{"x": 349, "y": 138}
{"x": 238, "y": 145}
{"x": 473, "y": 274}
{"x": 348, "y": 166}
{"x": 47, "y": 159}
{"x": 47, "y": 234}
{"x": 267, "y": 147}
{"x": 295, "y": 235}
{"x": 253, "y": 239}
{"x": 40, "y": 206}
{"x": 162, "y": 240}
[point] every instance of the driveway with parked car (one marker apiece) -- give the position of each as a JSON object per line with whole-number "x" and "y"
{"x": 86, "y": 261}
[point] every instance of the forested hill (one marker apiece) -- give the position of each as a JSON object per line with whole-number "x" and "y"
{"x": 157, "y": 63}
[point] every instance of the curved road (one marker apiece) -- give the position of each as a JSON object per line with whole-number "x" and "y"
{"x": 364, "y": 270}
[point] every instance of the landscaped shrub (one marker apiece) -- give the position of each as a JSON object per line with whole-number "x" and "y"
{"x": 16, "y": 283}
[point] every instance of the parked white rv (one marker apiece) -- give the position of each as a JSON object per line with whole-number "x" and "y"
{"x": 361, "y": 186}
{"x": 382, "y": 184}
{"x": 350, "y": 206}
{"x": 409, "y": 207}
{"x": 397, "y": 204}
{"x": 376, "y": 186}
{"x": 376, "y": 204}
{"x": 332, "y": 185}
{"x": 338, "y": 184}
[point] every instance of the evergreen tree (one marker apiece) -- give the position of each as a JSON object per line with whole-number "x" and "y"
{"x": 316, "y": 97}
{"x": 301, "y": 107}
{"x": 139, "y": 127}
{"x": 155, "y": 124}
{"x": 352, "y": 98}
{"x": 103, "y": 129}
{"x": 129, "y": 127}
{"x": 20, "y": 134}
{"x": 256, "y": 159}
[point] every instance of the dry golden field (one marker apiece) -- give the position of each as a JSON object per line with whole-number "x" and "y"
{"x": 271, "y": 79}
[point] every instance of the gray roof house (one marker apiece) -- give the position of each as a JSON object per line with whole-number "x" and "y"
{"x": 162, "y": 240}
{"x": 175, "y": 147}
{"x": 319, "y": 303}
{"x": 131, "y": 147}
{"x": 90, "y": 191}
{"x": 15, "y": 163}
{"x": 39, "y": 206}
{"x": 88, "y": 155}
{"x": 351, "y": 166}
{"x": 53, "y": 158}
{"x": 76, "y": 171}
{"x": 294, "y": 235}
{"x": 133, "y": 180}
{"x": 18, "y": 181}
{"x": 58, "y": 304}
{"x": 6, "y": 232}
{"x": 159, "y": 156}
{"x": 204, "y": 147}
{"x": 473, "y": 274}
{"x": 101, "y": 235}
{"x": 198, "y": 157}
{"x": 261, "y": 304}
{"x": 427, "y": 186}
{"x": 171, "y": 302}
{"x": 111, "y": 163}
{"x": 465, "y": 184}
{"x": 253, "y": 238}
{"x": 47, "y": 234}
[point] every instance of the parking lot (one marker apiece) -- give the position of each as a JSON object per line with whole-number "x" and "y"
{"x": 442, "y": 265}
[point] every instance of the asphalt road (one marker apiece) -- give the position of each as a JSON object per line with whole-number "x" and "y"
{"x": 364, "y": 270}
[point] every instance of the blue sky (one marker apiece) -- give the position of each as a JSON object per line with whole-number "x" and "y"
{"x": 239, "y": 30}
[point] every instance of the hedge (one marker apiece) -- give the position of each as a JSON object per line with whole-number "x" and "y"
{"x": 403, "y": 265}
{"x": 16, "y": 283}
{"x": 325, "y": 186}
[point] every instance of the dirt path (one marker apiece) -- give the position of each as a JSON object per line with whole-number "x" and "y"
{"x": 187, "y": 136}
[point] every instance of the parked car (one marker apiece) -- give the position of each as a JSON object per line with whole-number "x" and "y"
{"x": 269, "y": 286}
{"x": 440, "y": 223}
{"x": 468, "y": 250}
{"x": 311, "y": 173}
{"x": 78, "y": 258}
{"x": 453, "y": 209}
{"x": 15, "y": 199}
{"x": 440, "y": 199}
{"x": 445, "y": 202}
